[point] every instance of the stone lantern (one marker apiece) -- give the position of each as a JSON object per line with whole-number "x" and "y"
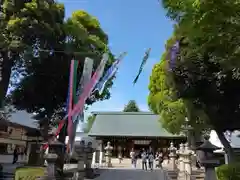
{"x": 55, "y": 150}
{"x": 188, "y": 129}
{"x": 108, "y": 154}
{"x": 79, "y": 150}
{"x": 181, "y": 164}
{"x": 83, "y": 151}
{"x": 187, "y": 154}
{"x": 208, "y": 160}
{"x": 172, "y": 156}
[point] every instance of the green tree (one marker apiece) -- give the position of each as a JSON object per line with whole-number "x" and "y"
{"x": 206, "y": 73}
{"x": 131, "y": 107}
{"x": 163, "y": 100}
{"x": 90, "y": 122}
{"x": 24, "y": 25}
{"x": 46, "y": 82}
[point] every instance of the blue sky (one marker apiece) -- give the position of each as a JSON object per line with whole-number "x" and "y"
{"x": 132, "y": 26}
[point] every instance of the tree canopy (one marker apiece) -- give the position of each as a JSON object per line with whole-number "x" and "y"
{"x": 90, "y": 121}
{"x": 131, "y": 107}
{"x": 24, "y": 25}
{"x": 173, "y": 110}
{"x": 44, "y": 78}
{"x": 206, "y": 74}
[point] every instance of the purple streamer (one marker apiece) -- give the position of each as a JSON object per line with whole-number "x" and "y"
{"x": 173, "y": 54}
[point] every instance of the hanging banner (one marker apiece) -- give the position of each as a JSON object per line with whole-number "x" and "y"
{"x": 70, "y": 106}
{"x": 86, "y": 93}
{"x": 173, "y": 54}
{"x": 109, "y": 74}
{"x": 89, "y": 87}
{"x": 145, "y": 58}
{"x": 85, "y": 78}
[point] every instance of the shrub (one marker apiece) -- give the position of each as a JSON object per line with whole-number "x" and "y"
{"x": 229, "y": 172}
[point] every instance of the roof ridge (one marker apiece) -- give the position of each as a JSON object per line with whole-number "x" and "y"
{"x": 122, "y": 113}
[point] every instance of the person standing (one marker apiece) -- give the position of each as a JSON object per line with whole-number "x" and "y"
{"x": 132, "y": 156}
{"x": 136, "y": 154}
{"x": 159, "y": 158}
{"x": 120, "y": 157}
{"x": 15, "y": 155}
{"x": 144, "y": 160}
{"x": 150, "y": 161}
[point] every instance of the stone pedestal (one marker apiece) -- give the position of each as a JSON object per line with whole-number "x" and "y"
{"x": 88, "y": 160}
{"x": 187, "y": 159}
{"x": 181, "y": 164}
{"x": 80, "y": 157}
{"x": 51, "y": 159}
{"x": 172, "y": 156}
{"x": 194, "y": 160}
{"x": 57, "y": 148}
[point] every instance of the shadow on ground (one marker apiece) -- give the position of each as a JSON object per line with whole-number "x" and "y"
{"x": 131, "y": 174}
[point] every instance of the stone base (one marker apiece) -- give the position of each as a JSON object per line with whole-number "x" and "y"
{"x": 89, "y": 173}
{"x": 181, "y": 176}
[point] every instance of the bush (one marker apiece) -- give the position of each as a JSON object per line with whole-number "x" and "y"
{"x": 229, "y": 172}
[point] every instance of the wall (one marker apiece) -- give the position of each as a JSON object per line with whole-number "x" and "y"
{"x": 15, "y": 136}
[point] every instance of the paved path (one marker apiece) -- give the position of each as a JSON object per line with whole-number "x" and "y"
{"x": 131, "y": 174}
{"x": 9, "y": 170}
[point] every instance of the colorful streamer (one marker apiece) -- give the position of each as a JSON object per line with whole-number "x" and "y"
{"x": 145, "y": 58}
{"x": 86, "y": 93}
{"x": 89, "y": 87}
{"x": 109, "y": 74}
{"x": 85, "y": 78}
{"x": 70, "y": 106}
{"x": 72, "y": 94}
{"x": 173, "y": 54}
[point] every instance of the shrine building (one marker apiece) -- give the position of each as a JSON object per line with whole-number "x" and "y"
{"x": 127, "y": 130}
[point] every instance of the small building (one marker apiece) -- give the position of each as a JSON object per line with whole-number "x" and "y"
{"x": 13, "y": 134}
{"x": 127, "y": 130}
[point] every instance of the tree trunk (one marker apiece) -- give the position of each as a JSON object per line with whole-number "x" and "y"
{"x": 6, "y": 65}
{"x": 61, "y": 155}
{"x": 229, "y": 150}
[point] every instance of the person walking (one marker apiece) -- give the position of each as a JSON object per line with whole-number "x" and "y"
{"x": 144, "y": 160}
{"x": 136, "y": 154}
{"x": 15, "y": 155}
{"x": 159, "y": 158}
{"x": 132, "y": 156}
{"x": 120, "y": 157}
{"x": 150, "y": 161}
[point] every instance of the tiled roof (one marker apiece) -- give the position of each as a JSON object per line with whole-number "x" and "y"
{"x": 128, "y": 124}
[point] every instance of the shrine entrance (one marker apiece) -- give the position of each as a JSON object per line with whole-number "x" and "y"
{"x": 127, "y": 130}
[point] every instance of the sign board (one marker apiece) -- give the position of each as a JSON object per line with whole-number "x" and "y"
{"x": 30, "y": 173}
{"x": 142, "y": 142}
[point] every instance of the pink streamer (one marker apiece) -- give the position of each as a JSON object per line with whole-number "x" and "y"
{"x": 86, "y": 93}
{"x": 70, "y": 107}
